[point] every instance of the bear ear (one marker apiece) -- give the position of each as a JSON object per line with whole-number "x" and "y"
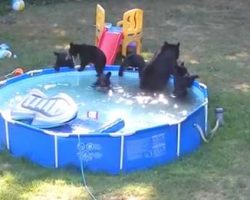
{"x": 178, "y": 44}
{"x": 56, "y": 53}
{"x": 71, "y": 44}
{"x": 165, "y": 43}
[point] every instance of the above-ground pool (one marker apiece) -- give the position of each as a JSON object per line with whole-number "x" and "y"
{"x": 130, "y": 130}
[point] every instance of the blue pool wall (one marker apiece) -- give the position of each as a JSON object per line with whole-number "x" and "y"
{"x": 110, "y": 153}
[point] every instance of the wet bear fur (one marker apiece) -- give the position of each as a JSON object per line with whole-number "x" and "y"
{"x": 135, "y": 61}
{"x": 63, "y": 60}
{"x": 157, "y": 72}
{"x": 182, "y": 81}
{"x": 88, "y": 54}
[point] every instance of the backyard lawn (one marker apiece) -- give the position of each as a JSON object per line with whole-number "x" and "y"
{"x": 214, "y": 41}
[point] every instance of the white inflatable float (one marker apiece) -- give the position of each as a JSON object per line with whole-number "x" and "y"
{"x": 44, "y": 111}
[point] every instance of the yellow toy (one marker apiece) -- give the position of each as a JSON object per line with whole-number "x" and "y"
{"x": 127, "y": 32}
{"x": 132, "y": 29}
{"x": 100, "y": 22}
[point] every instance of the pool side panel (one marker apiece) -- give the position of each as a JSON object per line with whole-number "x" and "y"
{"x": 2, "y": 133}
{"x": 142, "y": 150}
{"x": 32, "y": 144}
{"x": 98, "y": 153}
{"x": 190, "y": 137}
{"x": 150, "y": 147}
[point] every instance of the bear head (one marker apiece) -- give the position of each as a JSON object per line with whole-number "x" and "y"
{"x": 182, "y": 81}
{"x": 103, "y": 80}
{"x": 171, "y": 49}
{"x": 63, "y": 60}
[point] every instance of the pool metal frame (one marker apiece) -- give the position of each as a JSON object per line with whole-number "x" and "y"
{"x": 142, "y": 149}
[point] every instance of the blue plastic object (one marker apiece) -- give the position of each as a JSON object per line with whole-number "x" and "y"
{"x": 111, "y": 150}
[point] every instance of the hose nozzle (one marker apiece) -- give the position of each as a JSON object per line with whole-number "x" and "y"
{"x": 219, "y": 114}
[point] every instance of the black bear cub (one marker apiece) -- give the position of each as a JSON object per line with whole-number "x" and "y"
{"x": 182, "y": 80}
{"x": 103, "y": 80}
{"x": 135, "y": 61}
{"x": 88, "y": 54}
{"x": 63, "y": 60}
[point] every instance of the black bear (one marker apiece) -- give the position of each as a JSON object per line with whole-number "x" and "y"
{"x": 134, "y": 61}
{"x": 157, "y": 72}
{"x": 182, "y": 81}
{"x": 88, "y": 54}
{"x": 103, "y": 80}
{"x": 63, "y": 60}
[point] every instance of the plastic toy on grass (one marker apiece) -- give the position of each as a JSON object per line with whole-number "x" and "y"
{"x": 4, "y": 46}
{"x": 5, "y": 51}
{"x": 18, "y": 5}
{"x": 16, "y": 72}
{"x": 128, "y": 32}
{"x": 5, "y": 54}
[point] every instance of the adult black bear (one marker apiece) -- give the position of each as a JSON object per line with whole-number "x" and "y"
{"x": 157, "y": 72}
{"x": 88, "y": 54}
{"x": 63, "y": 60}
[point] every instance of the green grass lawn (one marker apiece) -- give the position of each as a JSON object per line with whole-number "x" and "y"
{"x": 215, "y": 43}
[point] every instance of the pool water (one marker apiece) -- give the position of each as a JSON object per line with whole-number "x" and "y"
{"x": 124, "y": 100}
